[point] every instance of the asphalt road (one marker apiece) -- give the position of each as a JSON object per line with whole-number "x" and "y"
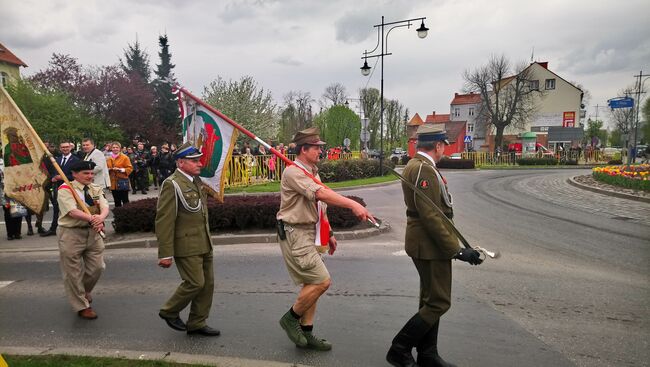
{"x": 570, "y": 289}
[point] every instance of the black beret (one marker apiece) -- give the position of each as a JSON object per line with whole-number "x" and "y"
{"x": 83, "y": 166}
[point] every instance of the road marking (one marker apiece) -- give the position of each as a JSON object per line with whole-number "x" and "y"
{"x": 399, "y": 253}
{"x": 4, "y": 283}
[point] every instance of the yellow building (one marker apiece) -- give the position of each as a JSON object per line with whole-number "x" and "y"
{"x": 9, "y": 66}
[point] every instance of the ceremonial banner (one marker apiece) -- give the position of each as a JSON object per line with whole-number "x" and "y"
{"x": 24, "y": 174}
{"x": 213, "y": 136}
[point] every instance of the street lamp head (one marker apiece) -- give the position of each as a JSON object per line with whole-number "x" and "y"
{"x": 365, "y": 69}
{"x": 347, "y": 103}
{"x": 422, "y": 31}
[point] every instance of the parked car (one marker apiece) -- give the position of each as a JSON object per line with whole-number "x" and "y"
{"x": 398, "y": 153}
{"x": 640, "y": 150}
{"x": 373, "y": 153}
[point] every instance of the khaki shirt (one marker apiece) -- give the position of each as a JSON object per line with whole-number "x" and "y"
{"x": 298, "y": 196}
{"x": 67, "y": 203}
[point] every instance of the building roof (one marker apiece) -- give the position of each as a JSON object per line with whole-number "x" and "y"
{"x": 437, "y": 119}
{"x": 544, "y": 64}
{"x": 454, "y": 128}
{"x": 472, "y": 98}
{"x": 416, "y": 120}
{"x": 8, "y": 57}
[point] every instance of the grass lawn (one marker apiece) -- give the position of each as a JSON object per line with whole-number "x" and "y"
{"x": 75, "y": 361}
{"x": 275, "y": 186}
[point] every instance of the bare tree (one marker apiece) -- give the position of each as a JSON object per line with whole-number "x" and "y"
{"x": 334, "y": 95}
{"x": 507, "y": 94}
{"x": 295, "y": 114}
{"x": 623, "y": 118}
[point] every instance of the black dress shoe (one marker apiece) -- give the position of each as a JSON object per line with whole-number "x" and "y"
{"x": 41, "y": 230}
{"x": 174, "y": 322}
{"x": 48, "y": 233}
{"x": 205, "y": 331}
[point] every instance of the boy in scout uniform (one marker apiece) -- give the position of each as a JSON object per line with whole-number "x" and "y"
{"x": 184, "y": 235}
{"x": 431, "y": 246}
{"x": 300, "y": 201}
{"x": 81, "y": 247}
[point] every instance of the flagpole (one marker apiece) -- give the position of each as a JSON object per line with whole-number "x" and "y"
{"x": 286, "y": 160}
{"x": 50, "y": 156}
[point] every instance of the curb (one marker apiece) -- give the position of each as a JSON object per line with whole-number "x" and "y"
{"x": 219, "y": 240}
{"x": 207, "y": 360}
{"x": 238, "y": 239}
{"x": 621, "y": 195}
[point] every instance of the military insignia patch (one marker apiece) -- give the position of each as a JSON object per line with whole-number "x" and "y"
{"x": 424, "y": 184}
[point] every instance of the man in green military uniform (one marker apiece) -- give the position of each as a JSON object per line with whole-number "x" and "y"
{"x": 302, "y": 209}
{"x": 81, "y": 247}
{"x": 431, "y": 245}
{"x": 184, "y": 234}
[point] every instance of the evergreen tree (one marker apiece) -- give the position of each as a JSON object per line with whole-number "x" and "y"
{"x": 137, "y": 62}
{"x": 166, "y": 105}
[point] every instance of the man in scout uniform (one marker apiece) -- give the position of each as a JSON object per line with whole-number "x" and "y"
{"x": 302, "y": 208}
{"x": 184, "y": 235}
{"x": 431, "y": 245}
{"x": 80, "y": 245}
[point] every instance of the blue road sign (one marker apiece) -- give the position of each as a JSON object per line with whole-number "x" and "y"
{"x": 623, "y": 102}
{"x": 468, "y": 139}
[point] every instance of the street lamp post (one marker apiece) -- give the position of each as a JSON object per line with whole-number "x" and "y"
{"x": 640, "y": 83}
{"x": 382, "y": 40}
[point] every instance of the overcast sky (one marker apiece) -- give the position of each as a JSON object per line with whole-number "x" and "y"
{"x": 306, "y": 45}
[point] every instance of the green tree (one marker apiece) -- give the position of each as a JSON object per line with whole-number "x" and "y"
{"x": 616, "y": 138}
{"x": 370, "y": 98}
{"x": 337, "y": 123}
{"x": 246, "y": 103}
{"x": 644, "y": 126}
{"x": 166, "y": 105}
{"x": 136, "y": 62}
{"x": 395, "y": 125}
{"x": 55, "y": 117}
{"x": 594, "y": 129}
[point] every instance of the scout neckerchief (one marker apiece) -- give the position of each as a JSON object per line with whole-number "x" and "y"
{"x": 323, "y": 228}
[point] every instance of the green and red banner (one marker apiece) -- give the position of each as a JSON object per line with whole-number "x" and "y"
{"x": 212, "y": 135}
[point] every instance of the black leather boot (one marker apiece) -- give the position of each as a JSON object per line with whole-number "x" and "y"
{"x": 399, "y": 354}
{"x": 428, "y": 350}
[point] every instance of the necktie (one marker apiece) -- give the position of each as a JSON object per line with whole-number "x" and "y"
{"x": 63, "y": 161}
{"x": 87, "y": 198}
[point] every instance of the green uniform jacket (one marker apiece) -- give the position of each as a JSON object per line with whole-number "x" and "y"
{"x": 180, "y": 232}
{"x": 427, "y": 237}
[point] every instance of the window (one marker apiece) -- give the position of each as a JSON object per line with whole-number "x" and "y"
{"x": 550, "y": 84}
{"x": 456, "y": 112}
{"x": 534, "y": 84}
{"x": 470, "y": 128}
{"x": 4, "y": 79}
{"x": 471, "y": 111}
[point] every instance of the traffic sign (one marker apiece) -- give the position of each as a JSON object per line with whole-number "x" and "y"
{"x": 346, "y": 142}
{"x": 365, "y": 136}
{"x": 622, "y": 102}
{"x": 468, "y": 139}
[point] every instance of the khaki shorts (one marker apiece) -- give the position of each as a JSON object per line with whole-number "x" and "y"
{"x": 304, "y": 263}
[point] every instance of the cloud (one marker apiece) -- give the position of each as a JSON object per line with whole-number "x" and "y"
{"x": 287, "y": 60}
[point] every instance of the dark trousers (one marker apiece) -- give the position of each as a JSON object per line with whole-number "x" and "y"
{"x": 13, "y": 224}
{"x": 55, "y": 209}
{"x": 435, "y": 288}
{"x": 120, "y": 197}
{"x": 142, "y": 179}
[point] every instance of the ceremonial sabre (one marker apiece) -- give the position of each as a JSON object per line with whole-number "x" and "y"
{"x": 450, "y": 225}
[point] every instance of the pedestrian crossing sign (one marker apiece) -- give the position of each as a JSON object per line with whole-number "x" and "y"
{"x": 468, "y": 139}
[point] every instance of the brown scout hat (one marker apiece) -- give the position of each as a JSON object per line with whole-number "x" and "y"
{"x": 308, "y": 136}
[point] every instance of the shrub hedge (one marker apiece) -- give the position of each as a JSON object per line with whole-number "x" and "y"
{"x": 344, "y": 170}
{"x": 614, "y": 162}
{"x": 537, "y": 161}
{"x": 456, "y": 163}
{"x": 235, "y": 213}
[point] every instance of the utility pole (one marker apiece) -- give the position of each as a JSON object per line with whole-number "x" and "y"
{"x": 640, "y": 82}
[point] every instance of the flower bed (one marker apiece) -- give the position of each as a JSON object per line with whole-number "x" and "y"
{"x": 635, "y": 177}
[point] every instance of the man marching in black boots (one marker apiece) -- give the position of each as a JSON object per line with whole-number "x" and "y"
{"x": 431, "y": 246}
